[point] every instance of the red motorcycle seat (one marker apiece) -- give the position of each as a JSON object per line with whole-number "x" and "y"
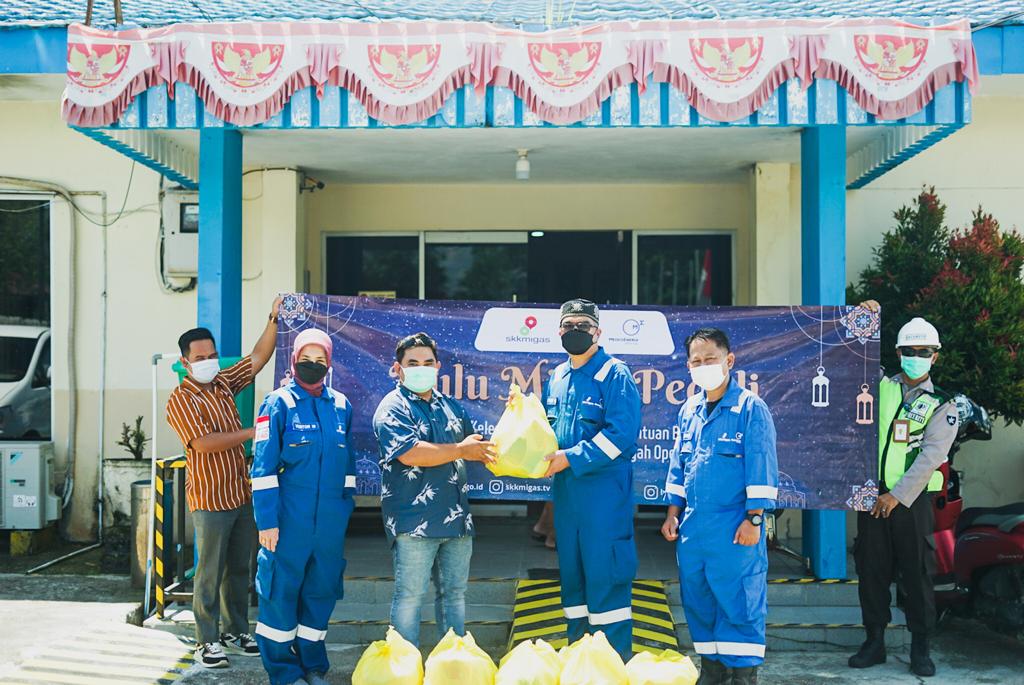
{"x": 1006, "y": 518}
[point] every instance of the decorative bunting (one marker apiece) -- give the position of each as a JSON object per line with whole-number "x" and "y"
{"x": 402, "y": 73}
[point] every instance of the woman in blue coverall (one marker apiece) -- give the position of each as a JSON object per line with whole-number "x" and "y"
{"x": 303, "y": 481}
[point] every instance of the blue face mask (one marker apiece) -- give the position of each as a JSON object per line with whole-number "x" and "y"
{"x": 419, "y": 379}
{"x": 915, "y": 367}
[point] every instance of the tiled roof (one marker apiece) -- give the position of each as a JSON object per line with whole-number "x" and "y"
{"x": 531, "y": 13}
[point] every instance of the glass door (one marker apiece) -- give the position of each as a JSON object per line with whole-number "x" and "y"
{"x": 684, "y": 269}
{"x": 476, "y": 265}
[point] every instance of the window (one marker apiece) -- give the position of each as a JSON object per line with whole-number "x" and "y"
{"x": 25, "y": 261}
{"x": 476, "y": 266}
{"x": 680, "y": 269}
{"x": 388, "y": 264}
{"x": 15, "y": 356}
{"x": 42, "y": 375}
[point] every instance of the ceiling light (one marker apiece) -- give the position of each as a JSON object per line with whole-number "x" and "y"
{"x": 522, "y": 166}
{"x": 537, "y": 234}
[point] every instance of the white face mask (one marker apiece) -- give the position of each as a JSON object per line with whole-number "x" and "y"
{"x": 206, "y": 370}
{"x": 708, "y": 376}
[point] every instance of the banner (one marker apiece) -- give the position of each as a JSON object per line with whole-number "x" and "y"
{"x": 402, "y": 73}
{"x": 816, "y": 368}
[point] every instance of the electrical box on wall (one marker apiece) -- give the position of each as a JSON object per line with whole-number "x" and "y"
{"x": 26, "y": 482}
{"x": 180, "y": 213}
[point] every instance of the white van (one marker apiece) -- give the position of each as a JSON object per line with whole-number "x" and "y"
{"x": 24, "y": 383}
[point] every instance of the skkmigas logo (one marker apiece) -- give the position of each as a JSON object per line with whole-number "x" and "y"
{"x": 526, "y": 333}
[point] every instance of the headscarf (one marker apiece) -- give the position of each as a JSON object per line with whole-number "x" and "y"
{"x": 311, "y": 336}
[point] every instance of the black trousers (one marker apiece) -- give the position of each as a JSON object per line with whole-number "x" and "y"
{"x": 899, "y": 548}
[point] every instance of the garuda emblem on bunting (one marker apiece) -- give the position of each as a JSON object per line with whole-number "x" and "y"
{"x": 890, "y": 58}
{"x": 94, "y": 66}
{"x": 564, "y": 65}
{"x": 246, "y": 65}
{"x": 726, "y": 59}
{"x": 403, "y": 67}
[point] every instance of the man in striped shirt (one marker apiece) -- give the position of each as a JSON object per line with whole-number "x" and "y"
{"x": 202, "y": 412}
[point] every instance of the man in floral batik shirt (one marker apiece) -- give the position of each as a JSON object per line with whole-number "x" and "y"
{"x": 425, "y": 438}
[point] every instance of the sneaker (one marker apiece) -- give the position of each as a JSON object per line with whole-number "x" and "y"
{"x": 210, "y": 655}
{"x": 242, "y": 644}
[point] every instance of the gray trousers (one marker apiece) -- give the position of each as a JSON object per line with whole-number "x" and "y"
{"x": 224, "y": 541}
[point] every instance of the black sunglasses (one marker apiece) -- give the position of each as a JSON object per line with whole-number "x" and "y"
{"x": 581, "y": 326}
{"x": 911, "y": 352}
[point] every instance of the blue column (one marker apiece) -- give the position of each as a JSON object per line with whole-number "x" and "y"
{"x": 823, "y": 254}
{"x": 220, "y": 237}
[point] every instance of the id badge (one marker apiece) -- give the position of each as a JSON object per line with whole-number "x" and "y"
{"x": 901, "y": 431}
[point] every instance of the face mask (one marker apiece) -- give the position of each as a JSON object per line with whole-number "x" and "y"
{"x": 310, "y": 372}
{"x": 915, "y": 367}
{"x": 577, "y": 342}
{"x": 419, "y": 378}
{"x": 709, "y": 376}
{"x": 205, "y": 371}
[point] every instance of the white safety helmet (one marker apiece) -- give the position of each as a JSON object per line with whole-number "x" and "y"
{"x": 918, "y": 333}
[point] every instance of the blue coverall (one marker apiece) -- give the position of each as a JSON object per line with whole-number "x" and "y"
{"x": 303, "y": 480}
{"x": 723, "y": 465}
{"x": 595, "y": 413}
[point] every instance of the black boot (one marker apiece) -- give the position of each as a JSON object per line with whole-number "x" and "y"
{"x": 920, "y": 663}
{"x": 713, "y": 672}
{"x": 872, "y": 652}
{"x": 744, "y": 676}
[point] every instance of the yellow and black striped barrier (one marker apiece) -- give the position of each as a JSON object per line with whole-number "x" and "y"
{"x": 538, "y": 614}
{"x": 169, "y": 525}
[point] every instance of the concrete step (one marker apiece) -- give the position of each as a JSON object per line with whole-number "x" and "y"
{"x": 790, "y": 628}
{"x": 502, "y": 591}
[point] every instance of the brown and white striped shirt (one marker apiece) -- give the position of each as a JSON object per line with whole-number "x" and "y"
{"x": 215, "y": 481}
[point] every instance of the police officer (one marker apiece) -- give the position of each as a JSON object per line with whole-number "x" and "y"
{"x": 593, "y": 406}
{"x": 303, "y": 481}
{"x": 723, "y": 474}
{"x": 917, "y": 423}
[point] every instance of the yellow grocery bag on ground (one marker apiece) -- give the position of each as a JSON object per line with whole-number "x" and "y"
{"x": 458, "y": 660}
{"x": 592, "y": 661}
{"x": 523, "y": 437}
{"x": 665, "y": 668}
{"x": 391, "y": 661}
{"x": 530, "y": 664}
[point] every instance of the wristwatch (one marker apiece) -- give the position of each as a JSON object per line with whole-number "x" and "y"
{"x": 755, "y": 519}
{"x": 271, "y": 317}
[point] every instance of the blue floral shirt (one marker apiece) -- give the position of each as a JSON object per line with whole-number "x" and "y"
{"x": 422, "y": 501}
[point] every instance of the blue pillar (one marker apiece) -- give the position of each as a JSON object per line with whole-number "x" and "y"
{"x": 823, "y": 255}
{"x": 220, "y": 237}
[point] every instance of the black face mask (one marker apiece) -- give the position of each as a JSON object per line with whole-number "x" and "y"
{"x": 577, "y": 342}
{"x": 310, "y": 372}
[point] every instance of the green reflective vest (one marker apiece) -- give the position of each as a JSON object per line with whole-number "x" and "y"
{"x": 901, "y": 430}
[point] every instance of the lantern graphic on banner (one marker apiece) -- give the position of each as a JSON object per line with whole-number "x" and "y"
{"x": 865, "y": 406}
{"x": 820, "y": 389}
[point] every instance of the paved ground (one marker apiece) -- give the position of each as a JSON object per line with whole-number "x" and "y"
{"x": 965, "y": 653}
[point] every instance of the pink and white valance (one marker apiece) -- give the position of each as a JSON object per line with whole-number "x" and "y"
{"x": 402, "y": 73}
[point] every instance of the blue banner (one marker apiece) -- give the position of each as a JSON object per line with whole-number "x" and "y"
{"x": 816, "y": 368}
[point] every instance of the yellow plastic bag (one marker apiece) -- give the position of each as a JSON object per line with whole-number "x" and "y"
{"x": 391, "y": 661}
{"x": 530, "y": 664}
{"x": 666, "y": 668}
{"x": 592, "y": 661}
{"x": 458, "y": 660}
{"x": 523, "y": 437}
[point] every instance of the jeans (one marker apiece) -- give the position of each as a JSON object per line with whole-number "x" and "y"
{"x": 417, "y": 561}
{"x": 221, "y": 587}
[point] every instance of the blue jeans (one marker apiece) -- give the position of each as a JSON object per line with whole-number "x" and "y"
{"x": 417, "y": 560}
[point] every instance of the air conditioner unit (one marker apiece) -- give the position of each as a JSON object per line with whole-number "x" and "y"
{"x": 180, "y": 209}
{"x": 26, "y": 477}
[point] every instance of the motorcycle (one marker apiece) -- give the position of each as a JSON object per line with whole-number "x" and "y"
{"x": 979, "y": 552}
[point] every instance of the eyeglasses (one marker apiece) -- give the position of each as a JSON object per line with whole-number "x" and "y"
{"x": 911, "y": 352}
{"x": 583, "y": 326}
